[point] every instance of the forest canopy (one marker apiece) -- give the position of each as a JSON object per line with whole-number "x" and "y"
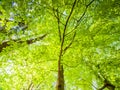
{"x": 59, "y": 44}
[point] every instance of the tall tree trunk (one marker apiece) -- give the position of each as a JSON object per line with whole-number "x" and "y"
{"x": 60, "y": 81}
{"x": 63, "y": 48}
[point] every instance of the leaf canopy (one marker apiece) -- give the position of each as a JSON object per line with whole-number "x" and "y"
{"x": 93, "y": 57}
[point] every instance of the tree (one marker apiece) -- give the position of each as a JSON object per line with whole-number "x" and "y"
{"x": 82, "y": 42}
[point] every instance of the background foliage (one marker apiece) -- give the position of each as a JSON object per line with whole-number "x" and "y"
{"x": 93, "y": 57}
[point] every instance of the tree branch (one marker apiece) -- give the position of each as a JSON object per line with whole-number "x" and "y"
{"x": 108, "y": 85}
{"x": 81, "y": 17}
{"x": 69, "y": 17}
{"x": 78, "y": 21}
{"x": 56, "y": 16}
{"x": 58, "y": 21}
{"x": 30, "y": 87}
{"x": 68, "y": 46}
{"x": 30, "y": 41}
{"x": 59, "y": 25}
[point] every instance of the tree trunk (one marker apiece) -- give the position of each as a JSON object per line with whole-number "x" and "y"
{"x": 60, "y": 81}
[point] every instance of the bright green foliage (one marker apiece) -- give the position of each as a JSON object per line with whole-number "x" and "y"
{"x": 93, "y": 55}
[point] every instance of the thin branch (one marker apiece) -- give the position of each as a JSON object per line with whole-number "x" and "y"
{"x": 61, "y": 14}
{"x": 30, "y": 87}
{"x": 90, "y": 3}
{"x": 69, "y": 17}
{"x": 38, "y": 86}
{"x": 30, "y": 41}
{"x": 58, "y": 19}
{"x": 54, "y": 10}
{"x": 71, "y": 66}
{"x": 68, "y": 46}
{"x": 91, "y": 84}
{"x": 78, "y": 21}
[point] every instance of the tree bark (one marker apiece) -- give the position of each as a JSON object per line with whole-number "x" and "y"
{"x": 60, "y": 81}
